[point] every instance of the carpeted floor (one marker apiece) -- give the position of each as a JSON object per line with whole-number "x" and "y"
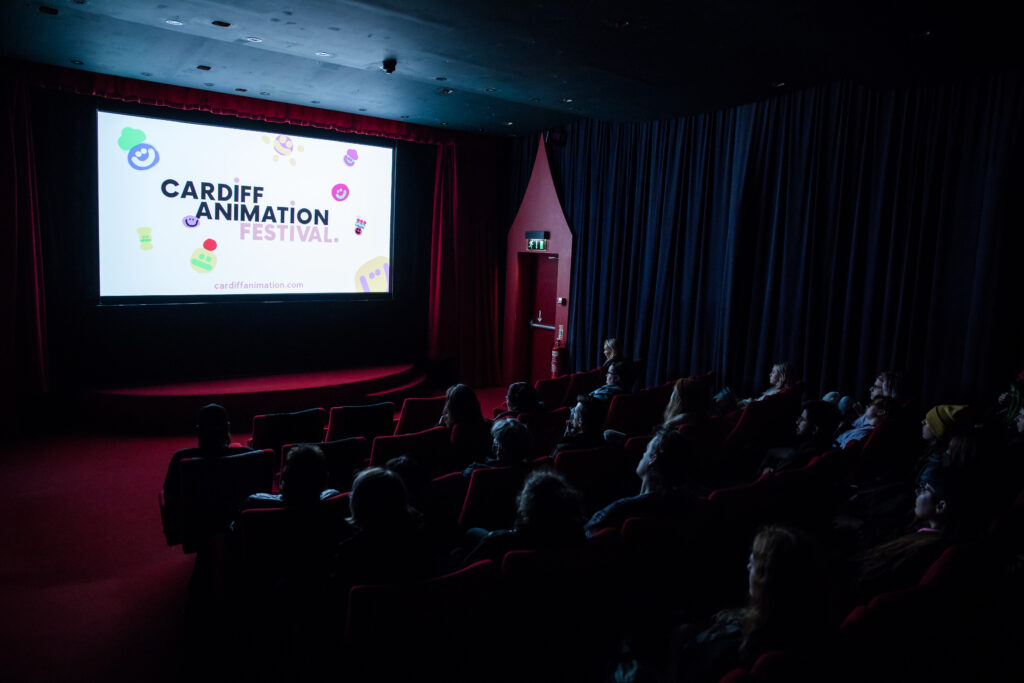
{"x": 90, "y": 590}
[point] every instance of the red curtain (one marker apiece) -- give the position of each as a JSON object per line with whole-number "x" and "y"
{"x": 463, "y": 310}
{"x": 23, "y": 306}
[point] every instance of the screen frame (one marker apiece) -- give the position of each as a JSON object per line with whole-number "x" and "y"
{"x": 196, "y": 117}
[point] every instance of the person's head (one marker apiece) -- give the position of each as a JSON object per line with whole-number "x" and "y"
{"x": 782, "y": 374}
{"x": 610, "y": 348}
{"x": 587, "y": 416}
{"x": 213, "y": 427}
{"x": 304, "y": 476}
{"x": 688, "y": 396}
{"x": 617, "y": 373}
{"x": 817, "y": 418}
{"x": 889, "y": 383}
{"x": 937, "y": 497}
{"x": 668, "y": 463}
{"x": 1020, "y": 421}
{"x": 521, "y": 398}
{"x": 784, "y": 580}
{"x": 461, "y": 406}
{"x": 378, "y": 501}
{"x": 548, "y": 504}
{"x": 943, "y": 421}
{"x": 414, "y": 475}
{"x": 880, "y": 410}
{"x": 511, "y": 441}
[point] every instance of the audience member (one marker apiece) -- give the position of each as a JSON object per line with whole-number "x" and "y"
{"x": 520, "y": 398}
{"x": 471, "y": 433}
{"x": 612, "y": 352}
{"x": 511, "y": 446}
{"x": 880, "y": 410}
{"x": 786, "y": 610}
{"x": 548, "y": 516}
{"x": 814, "y": 429}
{"x": 583, "y": 429}
{"x": 616, "y": 381}
{"x": 888, "y": 384}
{"x": 688, "y": 404}
{"x": 668, "y": 484}
{"x": 782, "y": 376}
{"x": 303, "y": 481}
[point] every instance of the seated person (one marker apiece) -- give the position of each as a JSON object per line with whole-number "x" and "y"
{"x": 303, "y": 481}
{"x": 462, "y": 410}
{"x": 939, "y": 510}
{"x": 388, "y": 544}
{"x": 616, "y": 381}
{"x": 668, "y": 486}
{"x": 511, "y": 446}
{"x": 548, "y": 516}
{"x": 814, "y": 429}
{"x": 520, "y": 398}
{"x": 688, "y": 404}
{"x": 786, "y": 610}
{"x": 782, "y": 376}
{"x": 888, "y": 384}
{"x": 213, "y": 430}
{"x": 880, "y": 410}
{"x": 940, "y": 427}
{"x": 583, "y": 428}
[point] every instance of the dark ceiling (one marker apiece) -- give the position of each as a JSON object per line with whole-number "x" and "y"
{"x": 500, "y": 66}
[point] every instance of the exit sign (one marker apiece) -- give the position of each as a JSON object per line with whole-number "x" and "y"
{"x": 536, "y": 244}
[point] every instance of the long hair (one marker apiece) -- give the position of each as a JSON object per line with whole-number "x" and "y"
{"x": 461, "y": 406}
{"x": 688, "y": 396}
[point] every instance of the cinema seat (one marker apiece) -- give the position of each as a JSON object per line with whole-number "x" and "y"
{"x": 345, "y": 458}
{"x": 431, "y": 448}
{"x": 491, "y": 498}
{"x": 274, "y": 430}
{"x": 551, "y": 392}
{"x": 583, "y": 383}
{"x": 547, "y": 429}
{"x": 602, "y": 475}
{"x": 367, "y": 421}
{"x": 419, "y": 414}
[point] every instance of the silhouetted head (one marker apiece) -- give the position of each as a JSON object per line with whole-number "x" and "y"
{"x": 611, "y": 349}
{"x": 548, "y": 504}
{"x": 511, "y": 441}
{"x": 304, "y": 476}
{"x": 818, "y": 418}
{"x": 213, "y": 427}
{"x": 688, "y": 396}
{"x": 782, "y": 375}
{"x": 668, "y": 462}
{"x": 461, "y": 406}
{"x": 379, "y": 501}
{"x": 521, "y": 398}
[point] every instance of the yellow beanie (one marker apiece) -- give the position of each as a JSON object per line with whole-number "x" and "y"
{"x": 943, "y": 417}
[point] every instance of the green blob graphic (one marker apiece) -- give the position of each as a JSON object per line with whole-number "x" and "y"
{"x": 130, "y": 137}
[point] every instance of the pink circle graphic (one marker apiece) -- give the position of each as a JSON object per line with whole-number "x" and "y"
{"x": 340, "y": 192}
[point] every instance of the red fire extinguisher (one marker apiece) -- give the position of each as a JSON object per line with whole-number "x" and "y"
{"x": 559, "y": 355}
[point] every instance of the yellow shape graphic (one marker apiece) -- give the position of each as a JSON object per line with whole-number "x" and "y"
{"x": 374, "y": 275}
{"x": 145, "y": 239}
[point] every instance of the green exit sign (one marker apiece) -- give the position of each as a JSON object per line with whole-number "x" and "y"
{"x": 536, "y": 245}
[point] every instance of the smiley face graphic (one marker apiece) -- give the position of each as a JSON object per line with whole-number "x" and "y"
{"x": 143, "y": 156}
{"x": 190, "y": 221}
{"x": 340, "y": 192}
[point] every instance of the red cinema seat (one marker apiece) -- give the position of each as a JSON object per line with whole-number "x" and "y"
{"x": 419, "y": 414}
{"x": 491, "y": 498}
{"x": 274, "y": 430}
{"x": 430, "y": 447}
{"x": 551, "y": 392}
{"x": 367, "y": 421}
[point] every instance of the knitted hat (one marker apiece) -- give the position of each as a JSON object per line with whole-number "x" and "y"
{"x": 942, "y": 418}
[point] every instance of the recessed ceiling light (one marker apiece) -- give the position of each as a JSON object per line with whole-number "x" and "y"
{"x": 321, "y": 53}
{"x": 48, "y": 10}
{"x": 491, "y": 89}
{"x": 778, "y": 84}
{"x": 441, "y": 78}
{"x": 362, "y": 108}
{"x": 567, "y": 100}
{"x": 174, "y": 22}
{"x": 264, "y": 92}
{"x": 254, "y": 39}
{"x": 203, "y": 67}
{"x": 444, "y": 123}
{"x": 405, "y": 116}
{"x": 146, "y": 73}
{"x": 314, "y": 101}
{"x": 241, "y": 90}
{"x": 208, "y": 85}
{"x": 508, "y": 123}
{"x": 79, "y": 62}
{"x": 535, "y": 99}
{"x": 445, "y": 91}
{"x": 222, "y": 24}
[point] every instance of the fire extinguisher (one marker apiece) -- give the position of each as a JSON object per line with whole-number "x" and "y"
{"x": 559, "y": 354}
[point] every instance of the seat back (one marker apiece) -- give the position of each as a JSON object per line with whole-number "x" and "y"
{"x": 546, "y": 428}
{"x": 431, "y": 448}
{"x": 602, "y": 475}
{"x": 214, "y": 490}
{"x": 436, "y": 625}
{"x": 377, "y": 419}
{"x": 583, "y": 383}
{"x": 491, "y": 498}
{"x": 419, "y": 414}
{"x": 552, "y": 391}
{"x": 274, "y": 430}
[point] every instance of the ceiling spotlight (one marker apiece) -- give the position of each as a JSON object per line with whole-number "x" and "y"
{"x": 445, "y": 91}
{"x": 321, "y": 53}
{"x": 254, "y": 39}
{"x": 507, "y": 123}
{"x": 567, "y": 100}
{"x": 441, "y": 78}
{"x": 491, "y": 89}
{"x": 405, "y": 116}
{"x": 48, "y": 10}
{"x": 77, "y": 62}
{"x": 362, "y": 108}
{"x": 203, "y": 67}
{"x": 314, "y": 101}
{"x": 778, "y": 84}
{"x": 146, "y": 74}
{"x": 241, "y": 90}
{"x": 264, "y": 92}
{"x": 222, "y": 24}
{"x": 208, "y": 85}
{"x": 174, "y": 22}
{"x": 389, "y": 65}
{"x": 535, "y": 99}
{"x": 444, "y": 123}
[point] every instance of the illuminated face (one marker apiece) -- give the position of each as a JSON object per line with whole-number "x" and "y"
{"x": 1020, "y": 421}
{"x": 751, "y": 574}
{"x": 926, "y": 432}
{"x": 927, "y": 504}
{"x": 803, "y": 425}
{"x": 775, "y": 377}
{"x": 143, "y": 156}
{"x": 608, "y": 351}
{"x": 876, "y": 389}
{"x": 645, "y": 462}
{"x": 203, "y": 260}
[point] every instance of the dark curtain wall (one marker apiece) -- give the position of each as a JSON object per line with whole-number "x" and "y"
{"x": 842, "y": 228}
